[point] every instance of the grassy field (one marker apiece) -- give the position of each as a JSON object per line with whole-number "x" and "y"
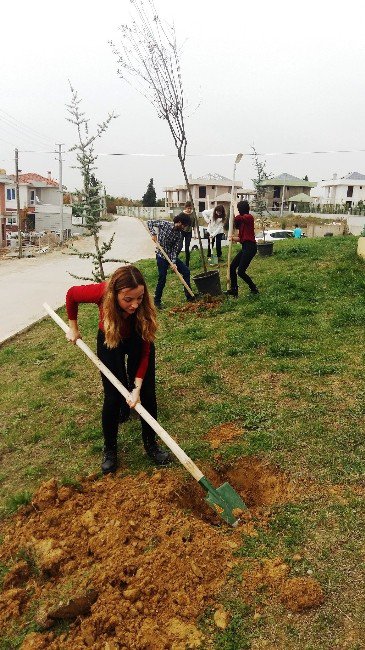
{"x": 286, "y": 366}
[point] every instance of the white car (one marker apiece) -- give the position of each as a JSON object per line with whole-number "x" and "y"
{"x": 274, "y": 235}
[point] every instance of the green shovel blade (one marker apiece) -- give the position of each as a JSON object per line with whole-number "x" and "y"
{"x": 224, "y": 500}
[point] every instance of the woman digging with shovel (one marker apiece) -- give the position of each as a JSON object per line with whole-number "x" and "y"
{"x": 127, "y": 327}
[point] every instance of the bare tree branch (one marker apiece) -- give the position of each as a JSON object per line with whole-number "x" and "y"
{"x": 149, "y": 60}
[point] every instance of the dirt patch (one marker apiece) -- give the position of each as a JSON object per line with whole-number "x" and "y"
{"x": 130, "y": 562}
{"x": 260, "y": 483}
{"x": 223, "y": 433}
{"x": 271, "y": 576}
{"x": 119, "y": 559}
{"x": 198, "y": 306}
{"x": 298, "y": 594}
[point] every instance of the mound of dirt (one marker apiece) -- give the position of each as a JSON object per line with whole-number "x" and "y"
{"x": 198, "y": 307}
{"x": 223, "y": 433}
{"x": 298, "y": 594}
{"x": 122, "y": 559}
{"x": 131, "y": 562}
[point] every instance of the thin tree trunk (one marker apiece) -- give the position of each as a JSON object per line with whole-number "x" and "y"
{"x": 195, "y": 215}
{"x": 99, "y": 256}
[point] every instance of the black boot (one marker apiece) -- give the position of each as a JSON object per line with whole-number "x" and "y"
{"x": 110, "y": 460}
{"x": 158, "y": 455}
{"x": 231, "y": 292}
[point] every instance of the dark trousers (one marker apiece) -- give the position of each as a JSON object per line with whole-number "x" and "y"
{"x": 187, "y": 239}
{"x": 217, "y": 240}
{"x": 163, "y": 267}
{"x": 115, "y": 360}
{"x": 240, "y": 264}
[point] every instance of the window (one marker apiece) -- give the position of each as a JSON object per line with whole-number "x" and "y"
{"x": 32, "y": 197}
{"x": 350, "y": 190}
{"x": 202, "y": 192}
{"x": 201, "y": 206}
{"x": 277, "y": 190}
{"x": 11, "y": 221}
{"x": 10, "y": 193}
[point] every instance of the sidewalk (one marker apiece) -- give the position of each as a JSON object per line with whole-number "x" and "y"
{"x": 25, "y": 284}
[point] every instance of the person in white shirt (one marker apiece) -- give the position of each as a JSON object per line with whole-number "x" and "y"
{"x": 215, "y": 218}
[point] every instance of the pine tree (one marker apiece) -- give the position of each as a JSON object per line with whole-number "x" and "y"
{"x": 149, "y": 198}
{"x": 89, "y": 199}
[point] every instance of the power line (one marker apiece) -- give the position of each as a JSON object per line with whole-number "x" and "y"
{"x": 23, "y": 125}
{"x": 11, "y": 143}
{"x": 230, "y": 155}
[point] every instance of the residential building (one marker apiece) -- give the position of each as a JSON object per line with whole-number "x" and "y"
{"x": 34, "y": 189}
{"x": 206, "y": 190}
{"x": 279, "y": 190}
{"x": 347, "y": 190}
{"x": 2, "y": 209}
{"x": 48, "y": 217}
{"x": 39, "y": 199}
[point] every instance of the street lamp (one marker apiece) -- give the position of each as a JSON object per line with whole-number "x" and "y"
{"x": 230, "y": 227}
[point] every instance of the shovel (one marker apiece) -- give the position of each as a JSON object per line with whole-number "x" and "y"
{"x": 224, "y": 500}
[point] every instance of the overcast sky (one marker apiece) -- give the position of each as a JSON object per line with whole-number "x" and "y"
{"x": 283, "y": 76}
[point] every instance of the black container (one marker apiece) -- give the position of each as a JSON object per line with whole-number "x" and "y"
{"x": 265, "y": 248}
{"x": 208, "y": 283}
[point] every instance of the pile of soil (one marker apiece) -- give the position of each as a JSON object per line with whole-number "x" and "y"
{"x": 198, "y": 307}
{"x": 130, "y": 562}
{"x": 223, "y": 433}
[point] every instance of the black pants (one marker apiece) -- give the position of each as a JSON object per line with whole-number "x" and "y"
{"x": 187, "y": 239}
{"x": 218, "y": 242}
{"x": 115, "y": 360}
{"x": 240, "y": 264}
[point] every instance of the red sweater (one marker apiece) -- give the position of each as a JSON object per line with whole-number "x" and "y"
{"x": 94, "y": 293}
{"x": 246, "y": 228}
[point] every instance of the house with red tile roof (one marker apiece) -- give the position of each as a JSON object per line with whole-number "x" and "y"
{"x": 34, "y": 190}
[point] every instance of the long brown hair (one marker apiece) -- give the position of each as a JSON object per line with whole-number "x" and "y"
{"x": 219, "y": 213}
{"x": 127, "y": 277}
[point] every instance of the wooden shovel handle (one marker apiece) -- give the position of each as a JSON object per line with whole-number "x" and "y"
{"x": 158, "y": 245}
{"x": 170, "y": 442}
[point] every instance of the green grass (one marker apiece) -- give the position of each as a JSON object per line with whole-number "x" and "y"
{"x": 286, "y": 366}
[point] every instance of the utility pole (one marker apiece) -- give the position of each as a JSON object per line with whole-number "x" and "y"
{"x": 60, "y": 190}
{"x": 230, "y": 227}
{"x": 282, "y": 202}
{"x": 18, "y": 203}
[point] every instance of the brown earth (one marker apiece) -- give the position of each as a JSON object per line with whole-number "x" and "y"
{"x": 223, "y": 433}
{"x": 132, "y": 562}
{"x": 199, "y": 306}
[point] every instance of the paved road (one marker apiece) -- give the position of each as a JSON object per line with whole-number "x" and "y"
{"x": 27, "y": 283}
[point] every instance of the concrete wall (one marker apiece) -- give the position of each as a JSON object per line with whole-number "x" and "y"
{"x": 320, "y": 230}
{"x": 144, "y": 213}
{"x": 48, "y": 195}
{"x": 361, "y": 247}
{"x": 47, "y": 217}
{"x": 355, "y": 224}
